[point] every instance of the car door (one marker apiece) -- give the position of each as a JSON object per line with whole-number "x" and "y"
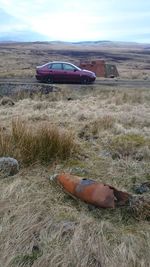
{"x": 57, "y": 72}
{"x": 71, "y": 74}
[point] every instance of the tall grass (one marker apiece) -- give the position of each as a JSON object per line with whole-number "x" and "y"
{"x": 6, "y": 146}
{"x": 31, "y": 144}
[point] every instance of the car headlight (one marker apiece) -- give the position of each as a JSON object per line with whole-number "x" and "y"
{"x": 93, "y": 74}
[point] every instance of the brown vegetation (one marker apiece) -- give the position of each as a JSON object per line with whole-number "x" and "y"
{"x": 45, "y": 143}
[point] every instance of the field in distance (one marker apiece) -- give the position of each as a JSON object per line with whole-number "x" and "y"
{"x": 20, "y": 59}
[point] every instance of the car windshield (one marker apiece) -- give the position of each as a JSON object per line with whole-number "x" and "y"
{"x": 71, "y": 65}
{"x": 76, "y": 67}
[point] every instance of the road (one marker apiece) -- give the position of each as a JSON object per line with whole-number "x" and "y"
{"x": 107, "y": 82}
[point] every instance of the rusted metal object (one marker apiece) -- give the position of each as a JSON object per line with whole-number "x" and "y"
{"x": 97, "y": 66}
{"x": 92, "y": 192}
{"x": 100, "y": 68}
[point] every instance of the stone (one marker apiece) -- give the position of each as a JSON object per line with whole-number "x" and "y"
{"x": 7, "y": 101}
{"x": 142, "y": 188}
{"x": 79, "y": 171}
{"x": 8, "y": 166}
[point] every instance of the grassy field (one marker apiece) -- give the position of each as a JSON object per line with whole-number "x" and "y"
{"x": 98, "y": 132}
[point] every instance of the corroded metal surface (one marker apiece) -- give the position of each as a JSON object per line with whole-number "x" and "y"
{"x": 100, "y": 67}
{"x": 92, "y": 192}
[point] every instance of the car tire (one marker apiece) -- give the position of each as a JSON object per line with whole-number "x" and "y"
{"x": 84, "y": 80}
{"x": 49, "y": 79}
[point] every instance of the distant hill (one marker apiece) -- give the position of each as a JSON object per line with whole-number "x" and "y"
{"x": 13, "y": 29}
{"x": 105, "y": 43}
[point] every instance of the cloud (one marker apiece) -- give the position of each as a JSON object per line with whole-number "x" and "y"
{"x": 10, "y": 23}
{"x": 80, "y": 20}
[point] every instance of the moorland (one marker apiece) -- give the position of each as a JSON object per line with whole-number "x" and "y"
{"x": 94, "y": 131}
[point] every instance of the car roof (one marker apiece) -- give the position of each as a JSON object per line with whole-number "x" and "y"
{"x": 60, "y": 62}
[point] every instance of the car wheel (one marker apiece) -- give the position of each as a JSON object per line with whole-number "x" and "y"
{"x": 84, "y": 80}
{"x": 49, "y": 79}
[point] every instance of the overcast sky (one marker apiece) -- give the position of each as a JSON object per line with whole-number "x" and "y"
{"x": 78, "y": 20}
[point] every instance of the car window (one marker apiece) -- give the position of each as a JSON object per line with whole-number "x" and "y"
{"x": 68, "y": 67}
{"x": 49, "y": 66}
{"x": 56, "y": 66}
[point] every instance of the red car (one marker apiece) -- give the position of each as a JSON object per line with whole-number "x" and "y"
{"x": 63, "y": 72}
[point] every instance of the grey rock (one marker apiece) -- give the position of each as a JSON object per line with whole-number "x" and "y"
{"x": 7, "y": 101}
{"x": 79, "y": 171}
{"x": 8, "y": 166}
{"x": 142, "y": 188}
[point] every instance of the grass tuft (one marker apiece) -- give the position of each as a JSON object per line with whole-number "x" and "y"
{"x": 5, "y": 144}
{"x": 43, "y": 144}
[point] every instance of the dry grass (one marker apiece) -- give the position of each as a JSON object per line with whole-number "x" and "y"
{"x": 44, "y": 144}
{"x": 93, "y": 128}
{"x": 140, "y": 208}
{"x": 37, "y": 214}
{"x": 39, "y": 224}
{"x": 129, "y": 145}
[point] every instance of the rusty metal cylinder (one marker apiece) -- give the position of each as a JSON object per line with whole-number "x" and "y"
{"x": 92, "y": 192}
{"x": 87, "y": 190}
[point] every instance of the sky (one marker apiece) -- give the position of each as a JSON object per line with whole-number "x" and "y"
{"x": 77, "y": 20}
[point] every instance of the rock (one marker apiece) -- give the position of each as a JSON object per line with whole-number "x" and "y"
{"x": 35, "y": 249}
{"x": 79, "y": 171}
{"x": 142, "y": 188}
{"x": 8, "y": 166}
{"x": 7, "y": 101}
